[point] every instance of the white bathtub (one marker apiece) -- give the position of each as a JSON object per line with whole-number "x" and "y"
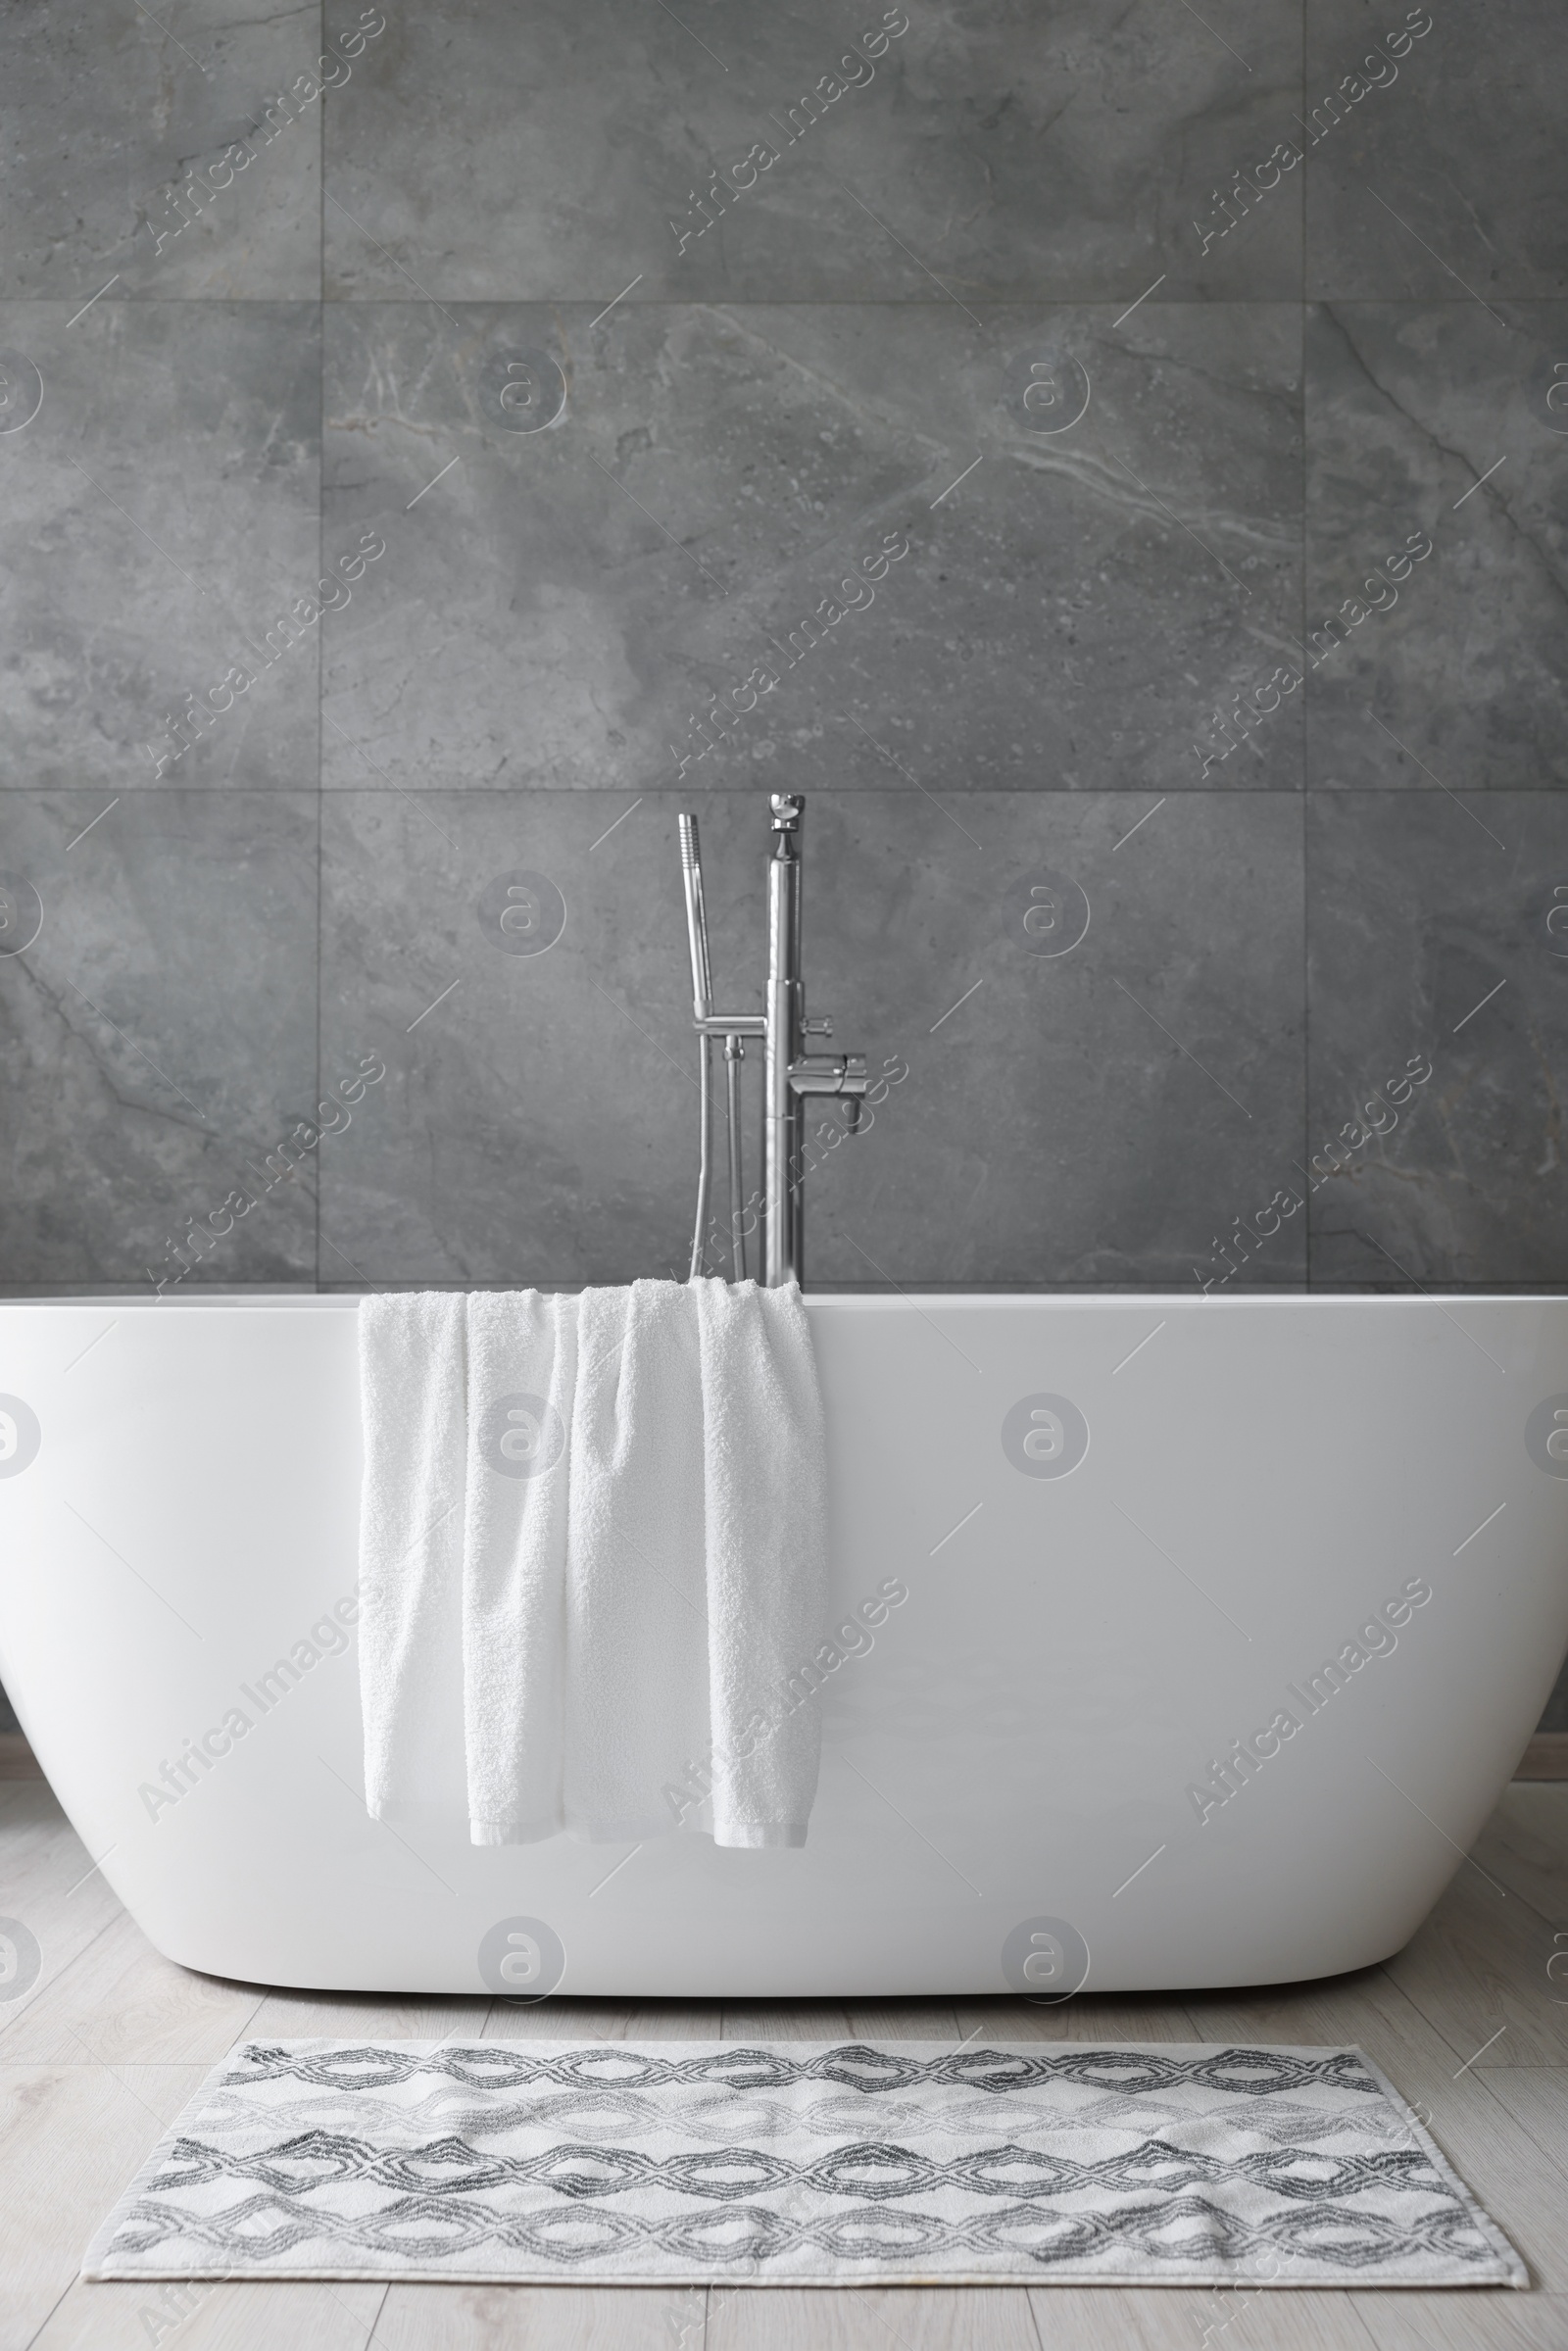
{"x": 1018, "y": 1777}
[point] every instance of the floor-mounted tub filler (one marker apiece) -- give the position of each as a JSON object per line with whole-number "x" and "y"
{"x": 1178, "y": 1643}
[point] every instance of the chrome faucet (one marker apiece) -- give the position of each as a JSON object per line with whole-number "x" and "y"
{"x": 791, "y": 1075}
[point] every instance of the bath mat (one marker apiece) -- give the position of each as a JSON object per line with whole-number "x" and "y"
{"x": 801, "y": 2163}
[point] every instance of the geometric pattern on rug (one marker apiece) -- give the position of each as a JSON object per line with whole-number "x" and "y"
{"x": 801, "y": 2163}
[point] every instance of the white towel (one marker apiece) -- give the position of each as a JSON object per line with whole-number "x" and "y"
{"x": 636, "y": 1607}
{"x": 641, "y": 1569}
{"x": 523, "y": 1361}
{"x": 765, "y": 1478}
{"x": 414, "y": 1409}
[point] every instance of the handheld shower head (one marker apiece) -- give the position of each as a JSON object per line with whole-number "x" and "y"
{"x": 691, "y": 866}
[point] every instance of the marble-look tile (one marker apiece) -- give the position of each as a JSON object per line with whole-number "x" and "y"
{"x": 1431, "y": 938}
{"x": 1094, "y": 1116}
{"x": 174, "y": 151}
{"x": 156, "y": 1032}
{"x": 163, "y": 524}
{"x": 537, "y": 1120}
{"x": 1005, "y": 150}
{"x": 1432, "y": 160}
{"x": 561, "y": 606}
{"x": 1450, "y": 672}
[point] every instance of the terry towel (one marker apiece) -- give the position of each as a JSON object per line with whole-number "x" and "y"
{"x": 522, "y": 1357}
{"x": 592, "y": 1562}
{"x": 414, "y": 1417}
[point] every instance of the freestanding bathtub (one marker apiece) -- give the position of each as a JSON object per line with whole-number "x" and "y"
{"x": 1185, "y": 1642}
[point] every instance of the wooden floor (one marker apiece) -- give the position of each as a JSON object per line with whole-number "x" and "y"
{"x": 98, "y": 2059}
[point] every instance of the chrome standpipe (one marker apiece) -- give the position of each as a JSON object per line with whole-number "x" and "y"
{"x": 782, "y": 1119}
{"x": 734, "y": 1055}
{"x": 732, "y": 1030}
{"x": 791, "y": 1075}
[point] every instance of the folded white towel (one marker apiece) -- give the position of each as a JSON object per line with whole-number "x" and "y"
{"x": 624, "y": 1563}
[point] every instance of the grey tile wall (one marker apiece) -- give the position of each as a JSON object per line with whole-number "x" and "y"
{"x": 1458, "y": 685}
{"x": 138, "y": 145}
{"x": 160, "y": 1032}
{"x": 538, "y": 1122}
{"x": 1118, "y": 447}
{"x": 163, "y": 518}
{"x": 714, "y": 475}
{"x": 1436, "y": 935}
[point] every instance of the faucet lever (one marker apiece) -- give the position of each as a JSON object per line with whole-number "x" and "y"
{"x": 829, "y": 1074}
{"x": 816, "y": 1028}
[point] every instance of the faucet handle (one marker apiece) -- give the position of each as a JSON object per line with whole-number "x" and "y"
{"x": 829, "y": 1074}
{"x": 788, "y": 807}
{"x": 816, "y": 1028}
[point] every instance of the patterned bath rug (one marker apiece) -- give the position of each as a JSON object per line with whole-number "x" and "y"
{"x": 801, "y": 2163}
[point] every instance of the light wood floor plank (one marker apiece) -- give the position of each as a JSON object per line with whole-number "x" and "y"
{"x": 259, "y": 2315}
{"x": 1525, "y": 1844}
{"x": 539, "y": 2317}
{"x": 1472, "y": 2322}
{"x": 1385, "y": 2021}
{"x": 550, "y": 2020}
{"x": 674, "y": 2020}
{"x": 1480, "y": 1964}
{"x": 49, "y": 1883}
{"x": 603, "y": 2020}
{"x": 904, "y": 2019}
{"x": 1080, "y": 2318}
{"x": 833, "y": 2319}
{"x": 378, "y": 2016}
{"x": 72, "y": 2138}
{"x": 1538, "y": 2100}
{"x": 1128, "y": 2016}
{"x": 1102, "y": 2017}
{"x": 787, "y": 2019}
{"x": 122, "y": 2003}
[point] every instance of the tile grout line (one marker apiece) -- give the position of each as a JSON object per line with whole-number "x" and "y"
{"x": 320, "y": 570}
{"x": 1307, "y": 737}
{"x": 1306, "y": 977}
{"x": 1025, "y": 299}
{"x": 1552, "y": 792}
{"x": 1306, "y": 723}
